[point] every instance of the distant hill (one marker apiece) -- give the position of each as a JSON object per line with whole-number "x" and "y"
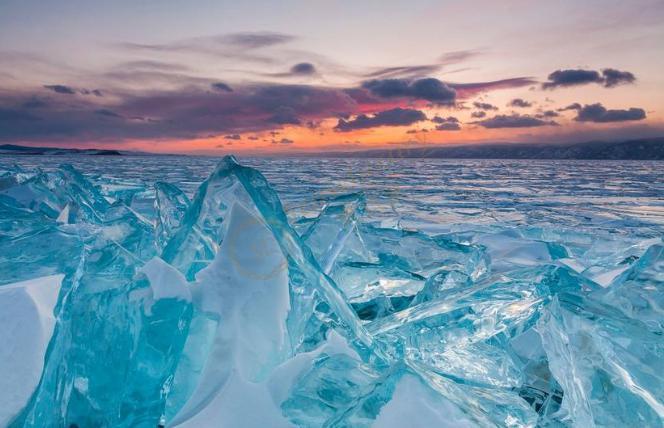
{"x": 639, "y": 149}
{"x": 25, "y": 150}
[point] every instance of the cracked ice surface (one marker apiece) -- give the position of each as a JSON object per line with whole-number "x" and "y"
{"x": 413, "y": 293}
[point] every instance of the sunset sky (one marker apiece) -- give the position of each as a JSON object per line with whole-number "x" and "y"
{"x": 213, "y": 77}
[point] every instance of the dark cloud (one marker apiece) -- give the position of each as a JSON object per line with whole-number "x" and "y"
{"x": 573, "y": 106}
{"x": 609, "y": 77}
{"x": 52, "y": 124}
{"x": 68, "y": 90}
{"x": 221, "y": 86}
{"x": 189, "y": 108}
{"x": 108, "y": 113}
{"x": 233, "y": 137}
{"x": 478, "y": 114}
{"x": 571, "y": 78}
{"x": 451, "y": 119}
{"x": 450, "y": 123}
{"x": 285, "y": 116}
{"x": 599, "y": 114}
{"x": 440, "y": 93}
{"x": 520, "y": 103}
{"x": 484, "y": 106}
{"x": 613, "y": 77}
{"x": 16, "y": 115}
{"x": 394, "y": 117}
{"x": 176, "y": 114}
{"x": 61, "y": 89}
{"x": 428, "y": 89}
{"x": 300, "y": 101}
{"x": 303, "y": 69}
{"x": 448, "y": 127}
{"x": 34, "y": 103}
{"x": 513, "y": 121}
{"x": 548, "y": 114}
{"x": 95, "y": 92}
{"x": 283, "y": 141}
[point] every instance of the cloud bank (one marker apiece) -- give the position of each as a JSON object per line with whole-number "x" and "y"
{"x": 609, "y": 78}
{"x": 514, "y": 121}
{"x": 599, "y": 114}
{"x": 394, "y": 117}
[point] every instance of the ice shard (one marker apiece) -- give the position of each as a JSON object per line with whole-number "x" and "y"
{"x": 639, "y": 290}
{"x": 171, "y": 205}
{"x": 603, "y": 361}
{"x": 31, "y": 193}
{"x": 127, "y": 304}
{"x": 33, "y": 245}
{"x": 260, "y": 259}
{"x": 329, "y": 232}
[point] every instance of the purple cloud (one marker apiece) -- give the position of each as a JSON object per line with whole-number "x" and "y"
{"x": 428, "y": 89}
{"x": 221, "y": 86}
{"x": 613, "y": 77}
{"x": 484, "y": 106}
{"x": 60, "y": 89}
{"x": 303, "y": 69}
{"x": 394, "y": 117}
{"x": 599, "y": 114}
{"x": 609, "y": 77}
{"x": 513, "y": 121}
{"x": 520, "y": 103}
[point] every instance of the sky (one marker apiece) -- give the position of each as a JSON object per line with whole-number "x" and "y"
{"x": 216, "y": 77}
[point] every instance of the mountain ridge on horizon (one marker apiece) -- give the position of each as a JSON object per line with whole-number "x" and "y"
{"x": 633, "y": 149}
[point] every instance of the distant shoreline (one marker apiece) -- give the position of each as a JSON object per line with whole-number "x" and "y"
{"x": 16, "y": 150}
{"x": 645, "y": 149}
{"x": 638, "y": 149}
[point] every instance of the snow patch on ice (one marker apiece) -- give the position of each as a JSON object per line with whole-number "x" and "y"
{"x": 26, "y": 327}
{"x": 414, "y": 405}
{"x": 246, "y": 289}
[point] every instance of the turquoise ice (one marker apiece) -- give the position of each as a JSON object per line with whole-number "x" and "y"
{"x": 126, "y": 303}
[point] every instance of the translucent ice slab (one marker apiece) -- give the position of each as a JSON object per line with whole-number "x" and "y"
{"x": 128, "y": 304}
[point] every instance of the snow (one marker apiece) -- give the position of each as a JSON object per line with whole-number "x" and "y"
{"x": 166, "y": 281}
{"x": 26, "y": 327}
{"x": 246, "y": 288}
{"x": 414, "y": 405}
